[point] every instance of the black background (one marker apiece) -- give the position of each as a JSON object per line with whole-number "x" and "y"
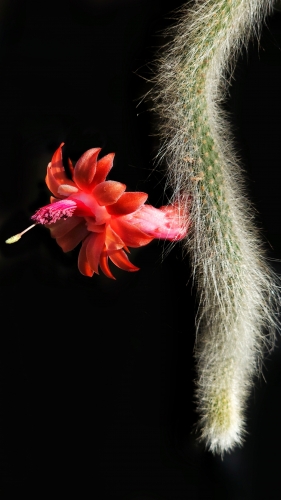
{"x": 96, "y": 376}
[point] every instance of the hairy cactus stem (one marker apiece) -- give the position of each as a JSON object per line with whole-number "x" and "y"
{"x": 237, "y": 291}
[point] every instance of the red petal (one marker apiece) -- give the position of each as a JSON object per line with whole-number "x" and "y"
{"x": 104, "y": 165}
{"x": 120, "y": 259}
{"x": 60, "y": 228}
{"x": 108, "y": 192}
{"x": 131, "y": 235}
{"x": 85, "y": 168}
{"x": 56, "y": 174}
{"x": 71, "y": 239}
{"x": 57, "y": 156}
{"x": 112, "y": 240}
{"x": 94, "y": 248}
{"x": 67, "y": 190}
{"x": 71, "y": 167}
{"x": 127, "y": 203}
{"x": 93, "y": 227}
{"x": 104, "y": 265}
{"x": 83, "y": 264}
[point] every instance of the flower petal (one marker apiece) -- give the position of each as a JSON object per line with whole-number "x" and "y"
{"x": 130, "y": 234}
{"x": 93, "y": 227}
{"x": 71, "y": 167}
{"x": 94, "y": 249}
{"x": 103, "y": 167}
{"x": 120, "y": 259}
{"x": 108, "y": 192}
{"x": 112, "y": 240}
{"x": 127, "y": 203}
{"x": 61, "y": 227}
{"x": 56, "y": 174}
{"x": 104, "y": 265}
{"x": 85, "y": 168}
{"x": 83, "y": 264}
{"x": 67, "y": 190}
{"x": 71, "y": 239}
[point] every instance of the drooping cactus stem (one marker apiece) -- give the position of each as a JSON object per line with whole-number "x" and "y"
{"x": 237, "y": 293}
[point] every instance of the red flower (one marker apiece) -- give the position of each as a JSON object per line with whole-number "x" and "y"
{"x": 101, "y": 215}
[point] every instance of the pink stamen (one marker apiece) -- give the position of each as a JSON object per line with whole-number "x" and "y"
{"x": 50, "y": 214}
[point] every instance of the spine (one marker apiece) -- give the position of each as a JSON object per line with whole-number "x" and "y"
{"x": 238, "y": 294}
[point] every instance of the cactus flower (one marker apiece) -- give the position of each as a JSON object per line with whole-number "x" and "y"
{"x": 99, "y": 213}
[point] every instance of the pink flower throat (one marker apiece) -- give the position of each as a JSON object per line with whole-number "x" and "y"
{"x": 55, "y": 211}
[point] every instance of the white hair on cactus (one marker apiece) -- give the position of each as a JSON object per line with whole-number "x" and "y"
{"x": 237, "y": 292}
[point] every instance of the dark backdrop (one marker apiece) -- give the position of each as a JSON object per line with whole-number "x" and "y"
{"x": 96, "y": 376}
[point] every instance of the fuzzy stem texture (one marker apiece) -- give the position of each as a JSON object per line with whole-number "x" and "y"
{"x": 237, "y": 292}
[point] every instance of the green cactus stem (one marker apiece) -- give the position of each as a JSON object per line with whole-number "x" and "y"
{"x": 238, "y": 295}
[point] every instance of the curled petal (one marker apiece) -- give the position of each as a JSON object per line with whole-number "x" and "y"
{"x": 94, "y": 249}
{"x": 108, "y": 192}
{"x": 112, "y": 240}
{"x": 130, "y": 234}
{"x": 120, "y": 259}
{"x": 103, "y": 167}
{"x": 85, "y": 168}
{"x": 56, "y": 174}
{"x": 71, "y": 239}
{"x": 127, "y": 203}
{"x": 83, "y": 264}
{"x": 104, "y": 265}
